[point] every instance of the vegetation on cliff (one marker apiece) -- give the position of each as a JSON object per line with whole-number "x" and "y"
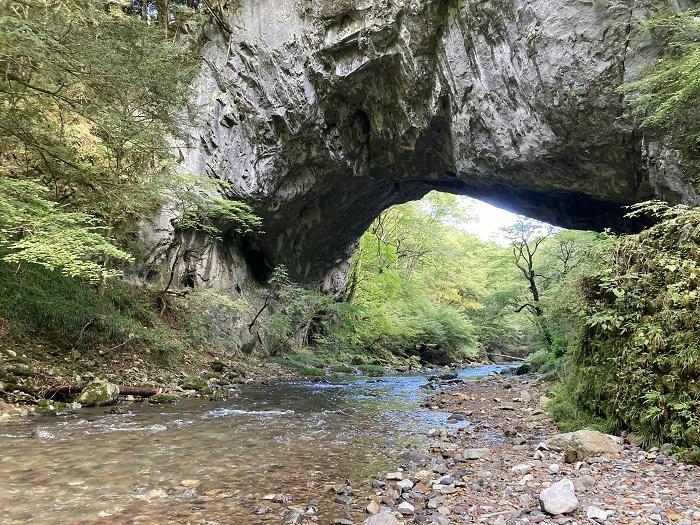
{"x": 666, "y": 98}
{"x": 637, "y": 363}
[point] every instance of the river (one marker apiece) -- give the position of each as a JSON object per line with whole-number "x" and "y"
{"x": 203, "y": 462}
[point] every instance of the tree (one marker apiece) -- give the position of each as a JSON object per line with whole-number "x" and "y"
{"x": 88, "y": 100}
{"x": 34, "y": 229}
{"x": 666, "y": 97}
{"x": 526, "y": 237}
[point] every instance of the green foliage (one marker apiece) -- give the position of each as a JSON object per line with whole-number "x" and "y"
{"x": 297, "y": 312}
{"x": 92, "y": 101}
{"x": 372, "y": 370}
{"x": 199, "y": 205}
{"x": 212, "y": 319}
{"x": 413, "y": 284}
{"x": 67, "y": 313}
{"x": 35, "y": 230}
{"x": 667, "y": 96}
{"x": 47, "y": 308}
{"x": 638, "y": 362}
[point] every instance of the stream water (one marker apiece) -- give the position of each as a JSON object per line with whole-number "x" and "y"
{"x": 202, "y": 462}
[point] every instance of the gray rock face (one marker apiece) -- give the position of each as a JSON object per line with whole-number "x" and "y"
{"x": 323, "y": 113}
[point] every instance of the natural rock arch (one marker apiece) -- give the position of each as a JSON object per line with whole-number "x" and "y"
{"x": 323, "y": 113}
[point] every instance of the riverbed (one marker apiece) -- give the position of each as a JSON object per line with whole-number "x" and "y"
{"x": 273, "y": 450}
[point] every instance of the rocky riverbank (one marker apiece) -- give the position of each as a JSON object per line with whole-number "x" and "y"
{"x": 36, "y": 380}
{"x": 31, "y": 383}
{"x": 509, "y": 466}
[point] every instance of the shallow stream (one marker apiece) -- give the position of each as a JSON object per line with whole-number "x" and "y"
{"x": 201, "y": 462}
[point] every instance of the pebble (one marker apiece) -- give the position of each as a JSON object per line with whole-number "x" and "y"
{"x": 406, "y": 508}
{"x": 521, "y": 469}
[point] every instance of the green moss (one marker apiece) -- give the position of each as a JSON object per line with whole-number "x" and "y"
{"x": 97, "y": 393}
{"x": 342, "y": 369}
{"x": 372, "y": 370}
{"x": 194, "y": 383}
{"x": 49, "y": 407}
{"x": 311, "y": 371}
{"x": 163, "y": 399}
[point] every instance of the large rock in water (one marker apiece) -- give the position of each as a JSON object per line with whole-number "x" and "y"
{"x": 322, "y": 113}
{"x": 584, "y": 444}
{"x": 559, "y": 498}
{"x": 98, "y": 392}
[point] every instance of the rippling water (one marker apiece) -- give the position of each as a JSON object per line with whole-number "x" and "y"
{"x": 198, "y": 461}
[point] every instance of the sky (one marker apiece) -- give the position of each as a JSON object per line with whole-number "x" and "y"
{"x": 488, "y": 220}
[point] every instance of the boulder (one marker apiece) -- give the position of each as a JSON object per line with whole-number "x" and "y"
{"x": 583, "y": 444}
{"x": 559, "y": 498}
{"x": 383, "y": 518}
{"x": 99, "y": 392}
{"x": 163, "y": 399}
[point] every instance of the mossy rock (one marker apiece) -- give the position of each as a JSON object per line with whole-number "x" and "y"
{"x": 217, "y": 366}
{"x": 310, "y": 371}
{"x": 99, "y": 392}
{"x": 194, "y": 383}
{"x": 49, "y": 407}
{"x": 163, "y": 399}
{"x": 211, "y": 394}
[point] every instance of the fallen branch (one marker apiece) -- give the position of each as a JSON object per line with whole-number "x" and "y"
{"x": 68, "y": 391}
{"x": 512, "y": 357}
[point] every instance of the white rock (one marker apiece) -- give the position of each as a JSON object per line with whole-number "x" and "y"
{"x": 521, "y": 469}
{"x": 394, "y": 475}
{"x": 554, "y": 468}
{"x": 559, "y": 498}
{"x": 594, "y": 513}
{"x": 406, "y": 508}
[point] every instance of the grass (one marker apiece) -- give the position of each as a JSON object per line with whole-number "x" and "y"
{"x": 372, "y": 370}
{"x": 67, "y": 313}
{"x": 342, "y": 369}
{"x": 311, "y": 362}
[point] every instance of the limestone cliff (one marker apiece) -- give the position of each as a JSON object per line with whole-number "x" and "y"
{"x": 322, "y": 113}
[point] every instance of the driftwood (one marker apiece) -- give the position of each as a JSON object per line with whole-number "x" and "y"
{"x": 506, "y": 356}
{"x": 70, "y": 391}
